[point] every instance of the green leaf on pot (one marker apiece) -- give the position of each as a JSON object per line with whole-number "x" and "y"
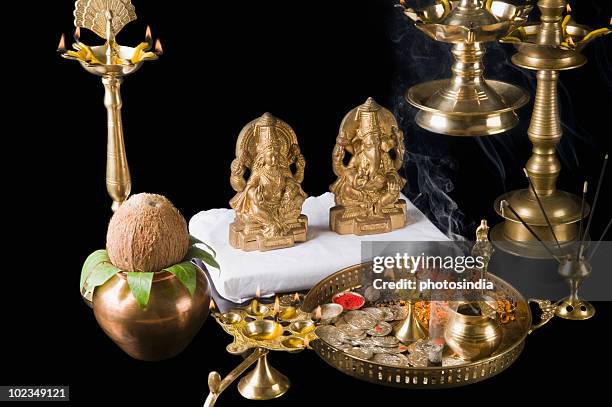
{"x": 197, "y": 253}
{"x": 100, "y": 275}
{"x": 97, "y": 257}
{"x": 96, "y": 271}
{"x": 140, "y": 284}
{"x": 186, "y": 273}
{"x": 194, "y": 240}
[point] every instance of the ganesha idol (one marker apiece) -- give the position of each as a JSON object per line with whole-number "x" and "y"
{"x": 268, "y": 203}
{"x": 367, "y": 191}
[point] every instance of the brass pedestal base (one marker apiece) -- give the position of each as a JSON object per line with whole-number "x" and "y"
{"x": 574, "y": 309}
{"x": 563, "y": 210}
{"x": 441, "y": 111}
{"x": 264, "y": 382}
{"x": 249, "y": 239}
{"x": 392, "y": 217}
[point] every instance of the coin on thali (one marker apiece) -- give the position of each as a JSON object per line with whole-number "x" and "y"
{"x": 361, "y": 352}
{"x": 371, "y": 294}
{"x": 388, "y": 314}
{"x": 331, "y": 335}
{"x": 366, "y": 341}
{"x": 360, "y": 319}
{"x": 398, "y": 312}
{"x": 391, "y": 359}
{"x": 418, "y": 359}
{"x": 385, "y": 341}
{"x": 382, "y": 328}
{"x": 377, "y": 313}
{"x": 351, "y": 332}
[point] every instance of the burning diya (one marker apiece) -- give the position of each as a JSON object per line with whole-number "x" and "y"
{"x": 112, "y": 62}
{"x": 554, "y": 44}
{"x": 467, "y": 104}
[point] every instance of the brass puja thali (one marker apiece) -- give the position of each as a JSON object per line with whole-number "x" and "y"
{"x": 363, "y": 342}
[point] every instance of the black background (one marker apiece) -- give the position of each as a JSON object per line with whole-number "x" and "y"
{"x": 225, "y": 64}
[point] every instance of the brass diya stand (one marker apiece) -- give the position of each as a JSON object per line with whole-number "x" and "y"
{"x": 467, "y": 104}
{"x": 552, "y": 45}
{"x": 261, "y": 328}
{"x": 112, "y": 62}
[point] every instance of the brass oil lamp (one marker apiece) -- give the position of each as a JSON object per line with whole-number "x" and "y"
{"x": 554, "y": 44}
{"x": 112, "y": 62}
{"x": 467, "y": 104}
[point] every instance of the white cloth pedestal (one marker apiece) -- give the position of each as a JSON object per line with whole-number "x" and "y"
{"x": 299, "y": 267}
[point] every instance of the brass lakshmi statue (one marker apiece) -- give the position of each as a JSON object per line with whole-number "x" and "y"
{"x": 268, "y": 203}
{"x": 367, "y": 191}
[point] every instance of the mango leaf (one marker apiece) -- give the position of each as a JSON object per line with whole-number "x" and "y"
{"x": 101, "y": 273}
{"x": 97, "y": 257}
{"x": 194, "y": 240}
{"x": 140, "y": 284}
{"x": 186, "y": 273}
{"x": 197, "y": 253}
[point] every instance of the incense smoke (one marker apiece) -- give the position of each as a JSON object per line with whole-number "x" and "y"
{"x": 431, "y": 168}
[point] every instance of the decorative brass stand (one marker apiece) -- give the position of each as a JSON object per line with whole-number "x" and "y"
{"x": 466, "y": 104}
{"x": 550, "y": 46}
{"x": 262, "y": 328}
{"x": 112, "y": 62}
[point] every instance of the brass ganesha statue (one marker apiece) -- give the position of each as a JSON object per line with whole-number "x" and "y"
{"x": 367, "y": 191}
{"x": 268, "y": 204}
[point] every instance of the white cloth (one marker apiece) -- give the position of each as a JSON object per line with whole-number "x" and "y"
{"x": 299, "y": 267}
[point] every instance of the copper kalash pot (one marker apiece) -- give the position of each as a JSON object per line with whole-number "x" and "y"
{"x": 161, "y": 330}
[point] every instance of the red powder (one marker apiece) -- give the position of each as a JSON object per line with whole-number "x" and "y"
{"x": 349, "y": 301}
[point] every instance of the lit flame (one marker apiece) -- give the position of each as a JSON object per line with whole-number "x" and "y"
{"x": 211, "y": 305}
{"x": 318, "y": 312}
{"x": 276, "y": 305}
{"x": 77, "y": 33}
{"x": 258, "y": 292}
{"x": 148, "y": 35}
{"x": 296, "y": 297}
{"x": 61, "y": 47}
{"x": 568, "y": 8}
{"x": 158, "y": 47}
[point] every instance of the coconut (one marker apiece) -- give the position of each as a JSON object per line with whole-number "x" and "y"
{"x": 147, "y": 233}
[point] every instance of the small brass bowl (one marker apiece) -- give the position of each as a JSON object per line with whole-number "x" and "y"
{"x": 230, "y": 318}
{"x": 294, "y": 343}
{"x": 262, "y": 330}
{"x": 302, "y": 327}
{"x": 257, "y": 310}
{"x": 288, "y": 313}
